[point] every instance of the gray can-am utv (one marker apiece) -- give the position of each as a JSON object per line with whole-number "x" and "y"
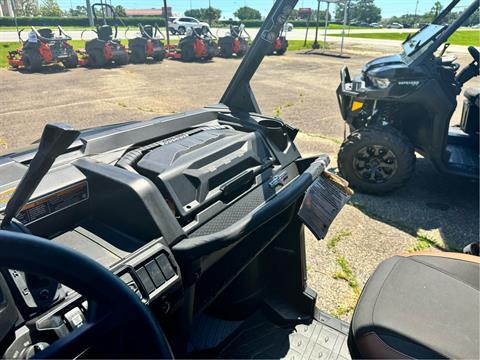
{"x": 179, "y": 237}
{"x": 404, "y": 103}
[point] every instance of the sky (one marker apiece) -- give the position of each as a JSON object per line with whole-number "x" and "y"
{"x": 389, "y": 7}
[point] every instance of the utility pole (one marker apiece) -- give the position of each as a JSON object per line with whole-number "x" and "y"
{"x": 165, "y": 16}
{"x": 209, "y": 12}
{"x": 89, "y": 13}
{"x": 416, "y": 11}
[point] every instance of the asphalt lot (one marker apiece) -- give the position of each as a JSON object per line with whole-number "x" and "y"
{"x": 298, "y": 88}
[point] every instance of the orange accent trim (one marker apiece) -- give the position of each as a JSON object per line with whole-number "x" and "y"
{"x": 444, "y": 254}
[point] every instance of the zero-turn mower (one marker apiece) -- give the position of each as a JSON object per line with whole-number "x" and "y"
{"x": 148, "y": 44}
{"x": 42, "y": 48}
{"x": 105, "y": 48}
{"x": 236, "y": 42}
{"x": 280, "y": 45}
{"x": 194, "y": 46}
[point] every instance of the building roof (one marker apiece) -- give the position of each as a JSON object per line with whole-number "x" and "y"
{"x": 145, "y": 12}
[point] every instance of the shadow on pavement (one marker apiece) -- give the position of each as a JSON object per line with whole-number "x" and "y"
{"x": 430, "y": 202}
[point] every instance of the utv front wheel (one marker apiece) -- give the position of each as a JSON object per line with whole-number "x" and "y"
{"x": 376, "y": 160}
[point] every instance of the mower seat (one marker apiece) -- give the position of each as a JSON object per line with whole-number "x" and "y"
{"x": 424, "y": 305}
{"x": 46, "y": 33}
{"x": 148, "y": 31}
{"x": 473, "y": 95}
{"x": 105, "y": 33}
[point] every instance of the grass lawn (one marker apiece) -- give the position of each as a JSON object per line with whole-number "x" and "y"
{"x": 296, "y": 45}
{"x": 462, "y": 37}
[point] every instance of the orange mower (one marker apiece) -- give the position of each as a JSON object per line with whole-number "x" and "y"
{"x": 43, "y": 47}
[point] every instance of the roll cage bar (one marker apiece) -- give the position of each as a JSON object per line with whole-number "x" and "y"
{"x": 239, "y": 96}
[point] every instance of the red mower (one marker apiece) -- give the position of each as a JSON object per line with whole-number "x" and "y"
{"x": 235, "y": 43}
{"x": 194, "y": 46}
{"x": 42, "y": 48}
{"x": 106, "y": 48}
{"x": 280, "y": 46}
{"x": 147, "y": 45}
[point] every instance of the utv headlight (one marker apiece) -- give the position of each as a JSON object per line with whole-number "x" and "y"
{"x": 381, "y": 83}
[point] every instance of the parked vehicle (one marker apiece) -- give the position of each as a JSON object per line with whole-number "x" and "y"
{"x": 43, "y": 47}
{"x": 235, "y": 43}
{"x": 180, "y": 25}
{"x": 106, "y": 49}
{"x": 402, "y": 104}
{"x": 395, "y": 25}
{"x": 376, "y": 25}
{"x": 195, "y": 45}
{"x": 147, "y": 45}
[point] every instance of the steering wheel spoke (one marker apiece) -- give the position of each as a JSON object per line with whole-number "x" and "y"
{"x": 112, "y": 308}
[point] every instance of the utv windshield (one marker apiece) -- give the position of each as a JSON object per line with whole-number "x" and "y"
{"x": 422, "y": 38}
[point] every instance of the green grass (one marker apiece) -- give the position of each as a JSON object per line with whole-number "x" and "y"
{"x": 347, "y": 274}
{"x": 296, "y": 45}
{"x": 462, "y": 37}
{"x": 423, "y": 243}
{"x": 332, "y": 243}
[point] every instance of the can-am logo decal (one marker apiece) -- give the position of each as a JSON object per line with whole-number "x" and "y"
{"x": 409, "y": 83}
{"x": 279, "y": 179}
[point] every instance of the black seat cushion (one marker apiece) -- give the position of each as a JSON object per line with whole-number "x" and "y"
{"x": 422, "y": 306}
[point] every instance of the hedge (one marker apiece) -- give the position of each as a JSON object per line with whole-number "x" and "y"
{"x": 129, "y": 21}
{"x": 73, "y": 21}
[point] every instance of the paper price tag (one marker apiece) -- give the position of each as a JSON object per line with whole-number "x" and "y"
{"x": 323, "y": 201}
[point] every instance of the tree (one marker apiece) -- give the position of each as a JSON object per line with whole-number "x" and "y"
{"x": 207, "y": 14}
{"x": 26, "y": 8}
{"x": 50, "y": 8}
{"x": 363, "y": 11}
{"x": 436, "y": 9}
{"x": 247, "y": 13}
{"x": 78, "y": 11}
{"x": 120, "y": 11}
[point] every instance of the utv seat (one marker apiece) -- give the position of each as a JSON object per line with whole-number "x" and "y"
{"x": 420, "y": 306}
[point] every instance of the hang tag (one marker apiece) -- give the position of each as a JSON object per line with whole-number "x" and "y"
{"x": 322, "y": 203}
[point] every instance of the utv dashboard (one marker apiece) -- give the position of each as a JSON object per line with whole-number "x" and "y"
{"x": 162, "y": 204}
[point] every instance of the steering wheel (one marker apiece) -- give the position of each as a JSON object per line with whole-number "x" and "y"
{"x": 112, "y": 304}
{"x": 474, "y": 53}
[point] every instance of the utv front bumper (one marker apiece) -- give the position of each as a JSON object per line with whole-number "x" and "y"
{"x": 347, "y": 93}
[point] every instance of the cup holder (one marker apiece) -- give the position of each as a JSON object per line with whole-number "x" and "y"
{"x": 275, "y": 132}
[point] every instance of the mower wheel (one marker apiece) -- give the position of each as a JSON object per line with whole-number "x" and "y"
{"x": 188, "y": 53}
{"x": 159, "y": 56}
{"x": 226, "y": 51}
{"x": 96, "y": 58}
{"x": 71, "y": 62}
{"x": 376, "y": 160}
{"x": 32, "y": 61}
{"x": 138, "y": 55}
{"x": 122, "y": 59}
{"x": 283, "y": 49}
